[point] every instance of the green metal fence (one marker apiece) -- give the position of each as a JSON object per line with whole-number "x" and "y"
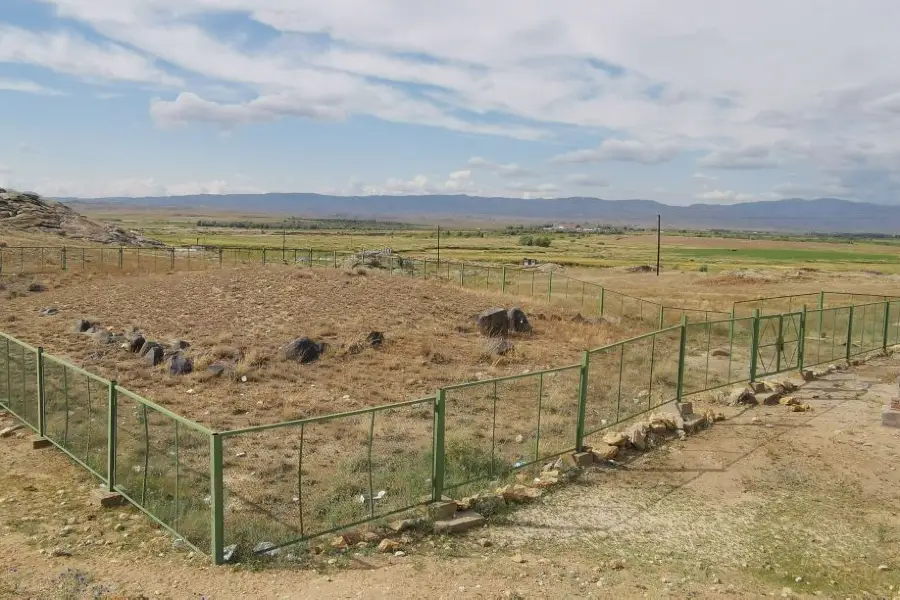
{"x": 264, "y": 487}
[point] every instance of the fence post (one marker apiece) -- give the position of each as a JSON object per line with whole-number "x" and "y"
{"x": 62, "y": 259}
{"x": 217, "y": 540}
{"x": 263, "y": 256}
{"x": 111, "y": 437}
{"x": 121, "y": 257}
{"x": 662, "y": 316}
{"x": 849, "y": 333}
{"x": 310, "y": 256}
{"x": 550, "y": 287}
{"x": 754, "y": 345}
{"x": 821, "y": 311}
{"x": 682, "y": 346}
{"x": 334, "y": 258}
{"x": 40, "y": 392}
{"x": 601, "y": 300}
{"x": 801, "y": 339}
{"x": 503, "y": 281}
{"x": 172, "y": 257}
{"x": 220, "y": 257}
{"x": 886, "y": 327}
{"x": 424, "y": 268}
{"x": 439, "y": 459}
{"x": 582, "y": 402}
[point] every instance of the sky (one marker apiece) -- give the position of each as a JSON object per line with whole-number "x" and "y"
{"x": 695, "y": 101}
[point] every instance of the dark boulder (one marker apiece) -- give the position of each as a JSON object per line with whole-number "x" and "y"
{"x": 180, "y": 345}
{"x": 180, "y": 365}
{"x": 153, "y": 354}
{"x": 518, "y": 322}
{"x": 303, "y": 350}
{"x": 498, "y": 346}
{"x": 137, "y": 343}
{"x": 375, "y": 338}
{"x": 83, "y": 326}
{"x": 494, "y": 322}
{"x": 37, "y": 287}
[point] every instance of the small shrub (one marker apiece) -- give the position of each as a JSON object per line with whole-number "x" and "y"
{"x": 704, "y": 268}
{"x": 543, "y": 241}
{"x": 526, "y": 240}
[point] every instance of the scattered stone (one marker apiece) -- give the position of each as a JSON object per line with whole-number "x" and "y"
{"x": 441, "y": 511}
{"x": 48, "y": 312}
{"x": 695, "y": 423}
{"x": 800, "y": 407}
{"x": 463, "y": 521}
{"x": 153, "y": 355}
{"x": 638, "y": 436}
{"x": 406, "y": 524}
{"x": 605, "y": 452}
{"x": 102, "y": 336}
{"x": 743, "y": 397}
{"x": 179, "y": 365}
{"x": 519, "y": 493}
{"x": 659, "y": 426}
{"x": 758, "y": 387}
{"x": 375, "y": 339}
{"x": 304, "y": 350}
{"x": 582, "y": 459}
{"x": 82, "y": 325}
{"x": 119, "y": 527}
{"x": 37, "y": 287}
{"x": 519, "y": 439}
{"x": 518, "y": 558}
{"x": 370, "y": 537}
{"x": 179, "y": 345}
{"x": 339, "y": 543}
{"x": 217, "y": 369}
{"x": 388, "y": 545}
{"x": 808, "y": 375}
{"x": 266, "y": 549}
{"x": 229, "y": 552}
{"x": 769, "y": 398}
{"x": 616, "y": 438}
{"x": 484, "y": 503}
{"x": 399, "y": 554}
{"x": 518, "y": 322}
{"x": 720, "y": 352}
{"x": 883, "y": 568}
{"x": 493, "y": 322}
{"x": 60, "y": 552}
{"x": 485, "y": 543}
{"x": 7, "y": 432}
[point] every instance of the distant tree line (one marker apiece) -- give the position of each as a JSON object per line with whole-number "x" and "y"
{"x": 542, "y": 241}
{"x": 309, "y": 224}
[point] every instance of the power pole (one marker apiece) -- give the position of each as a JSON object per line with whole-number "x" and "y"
{"x": 658, "y": 241}
{"x": 439, "y": 245}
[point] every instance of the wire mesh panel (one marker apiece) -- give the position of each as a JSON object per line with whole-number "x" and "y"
{"x": 717, "y": 353}
{"x": 18, "y": 378}
{"x": 893, "y": 328}
{"x": 495, "y": 426}
{"x": 163, "y": 467}
{"x": 296, "y": 481}
{"x": 867, "y": 328}
{"x": 76, "y": 414}
{"x": 776, "y": 304}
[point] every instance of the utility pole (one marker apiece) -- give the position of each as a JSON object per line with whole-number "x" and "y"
{"x": 658, "y": 241}
{"x": 439, "y": 245}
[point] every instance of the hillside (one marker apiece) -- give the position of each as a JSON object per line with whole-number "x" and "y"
{"x": 821, "y": 215}
{"x": 28, "y": 218}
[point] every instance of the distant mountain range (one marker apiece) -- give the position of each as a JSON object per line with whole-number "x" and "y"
{"x": 819, "y": 215}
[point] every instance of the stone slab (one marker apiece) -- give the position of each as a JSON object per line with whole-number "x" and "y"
{"x": 463, "y": 521}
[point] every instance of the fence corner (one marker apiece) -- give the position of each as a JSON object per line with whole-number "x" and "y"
{"x": 438, "y": 453}
{"x": 682, "y": 346}
{"x": 111, "y": 436}
{"x": 582, "y": 401}
{"x": 217, "y": 524}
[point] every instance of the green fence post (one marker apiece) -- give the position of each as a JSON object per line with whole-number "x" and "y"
{"x": 582, "y": 402}
{"x": 754, "y": 345}
{"x": 503, "y": 281}
{"x": 171, "y": 259}
{"x": 662, "y": 316}
{"x": 682, "y": 346}
{"x": 111, "y": 430}
{"x": 40, "y": 392}
{"x": 263, "y": 256}
{"x": 217, "y": 540}
{"x": 550, "y": 287}
{"x": 779, "y": 343}
{"x": 821, "y": 312}
{"x": 424, "y": 268}
{"x": 438, "y": 465}
{"x": 310, "y": 257}
{"x": 801, "y": 339}
{"x": 334, "y": 257}
{"x": 885, "y": 327}
{"x": 849, "y": 333}
{"x": 601, "y": 300}
{"x": 121, "y": 257}
{"x": 62, "y": 259}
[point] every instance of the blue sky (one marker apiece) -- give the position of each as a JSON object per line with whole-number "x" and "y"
{"x": 713, "y": 102}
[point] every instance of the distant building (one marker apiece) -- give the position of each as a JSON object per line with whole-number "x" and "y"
{"x": 529, "y": 262}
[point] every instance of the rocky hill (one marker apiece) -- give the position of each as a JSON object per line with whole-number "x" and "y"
{"x": 28, "y": 213}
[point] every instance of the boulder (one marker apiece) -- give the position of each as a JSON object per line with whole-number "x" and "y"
{"x": 82, "y": 325}
{"x": 518, "y": 322}
{"x": 136, "y": 343}
{"x": 179, "y": 365}
{"x": 304, "y": 350}
{"x": 720, "y": 352}
{"x": 102, "y": 336}
{"x": 494, "y": 322}
{"x": 37, "y": 287}
{"x": 518, "y": 493}
{"x": 179, "y": 345}
{"x": 743, "y": 396}
{"x": 153, "y": 354}
{"x": 375, "y": 338}
{"x": 616, "y": 438}
{"x": 638, "y": 436}
{"x": 605, "y": 452}
{"x": 217, "y": 369}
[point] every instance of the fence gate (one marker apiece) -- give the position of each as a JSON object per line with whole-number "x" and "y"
{"x": 778, "y": 344}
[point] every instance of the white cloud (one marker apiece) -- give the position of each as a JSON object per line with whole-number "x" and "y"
{"x": 731, "y": 196}
{"x": 65, "y": 52}
{"x": 806, "y": 190}
{"x": 623, "y": 150}
{"x": 503, "y": 170}
{"x": 28, "y": 87}
{"x": 750, "y": 157}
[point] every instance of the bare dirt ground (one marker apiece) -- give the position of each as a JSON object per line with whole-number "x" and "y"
{"x": 245, "y": 315}
{"x": 767, "y": 503}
